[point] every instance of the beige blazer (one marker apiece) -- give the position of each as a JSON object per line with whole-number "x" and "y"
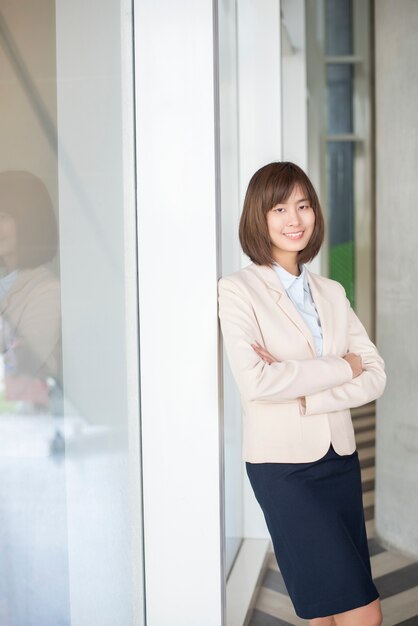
{"x": 31, "y": 314}
{"x": 254, "y": 306}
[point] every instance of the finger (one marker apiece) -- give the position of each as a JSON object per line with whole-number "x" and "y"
{"x": 263, "y": 354}
{"x": 259, "y": 350}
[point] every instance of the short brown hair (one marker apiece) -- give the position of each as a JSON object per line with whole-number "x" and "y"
{"x": 271, "y": 185}
{"x": 25, "y": 198}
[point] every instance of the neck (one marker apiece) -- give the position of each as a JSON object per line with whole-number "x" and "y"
{"x": 289, "y": 263}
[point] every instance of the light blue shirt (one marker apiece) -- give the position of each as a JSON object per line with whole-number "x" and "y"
{"x": 298, "y": 290}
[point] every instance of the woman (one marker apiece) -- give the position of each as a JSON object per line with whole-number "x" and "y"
{"x": 301, "y": 358}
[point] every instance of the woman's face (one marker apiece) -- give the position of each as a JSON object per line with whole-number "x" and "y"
{"x": 293, "y": 216}
{"x": 8, "y": 235}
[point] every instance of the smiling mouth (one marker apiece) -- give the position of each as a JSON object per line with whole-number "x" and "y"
{"x": 296, "y": 235}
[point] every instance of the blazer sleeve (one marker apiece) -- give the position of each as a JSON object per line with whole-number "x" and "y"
{"x": 38, "y": 332}
{"x": 362, "y": 389}
{"x": 281, "y": 381}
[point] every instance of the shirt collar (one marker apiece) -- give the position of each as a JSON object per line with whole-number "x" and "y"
{"x": 288, "y": 280}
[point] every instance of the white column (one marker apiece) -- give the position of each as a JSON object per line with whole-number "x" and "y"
{"x": 178, "y": 271}
{"x": 259, "y": 71}
{"x": 294, "y": 85}
{"x": 297, "y": 103}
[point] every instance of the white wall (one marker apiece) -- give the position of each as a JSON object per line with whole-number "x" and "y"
{"x": 397, "y": 301}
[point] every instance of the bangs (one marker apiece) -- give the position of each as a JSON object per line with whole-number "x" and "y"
{"x": 280, "y": 184}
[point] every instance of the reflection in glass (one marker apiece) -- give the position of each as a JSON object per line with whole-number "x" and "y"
{"x": 34, "y": 586}
{"x": 29, "y": 294}
{"x": 70, "y": 489}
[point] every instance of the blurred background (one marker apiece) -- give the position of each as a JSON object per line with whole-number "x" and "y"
{"x": 129, "y": 131}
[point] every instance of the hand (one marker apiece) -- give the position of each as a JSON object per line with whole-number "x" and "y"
{"x": 356, "y": 363}
{"x": 263, "y": 353}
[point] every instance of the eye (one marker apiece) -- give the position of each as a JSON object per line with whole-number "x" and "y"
{"x": 279, "y": 209}
{"x": 304, "y": 206}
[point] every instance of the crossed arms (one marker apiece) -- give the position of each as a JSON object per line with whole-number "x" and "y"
{"x": 320, "y": 385}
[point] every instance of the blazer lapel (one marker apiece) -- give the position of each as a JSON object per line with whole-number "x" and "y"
{"x": 323, "y": 305}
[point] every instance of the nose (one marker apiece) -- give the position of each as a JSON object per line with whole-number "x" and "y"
{"x": 293, "y": 217}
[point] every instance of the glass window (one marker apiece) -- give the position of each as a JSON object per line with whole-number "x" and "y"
{"x": 70, "y": 531}
{"x": 340, "y": 98}
{"x": 340, "y": 177}
{"x": 230, "y": 255}
{"x": 339, "y": 27}
{"x": 340, "y": 148}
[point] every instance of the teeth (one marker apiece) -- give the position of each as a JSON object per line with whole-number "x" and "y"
{"x": 293, "y": 235}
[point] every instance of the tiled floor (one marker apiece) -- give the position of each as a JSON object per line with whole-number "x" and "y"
{"x": 395, "y": 576}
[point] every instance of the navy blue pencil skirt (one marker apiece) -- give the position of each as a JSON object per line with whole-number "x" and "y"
{"x": 315, "y": 517}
